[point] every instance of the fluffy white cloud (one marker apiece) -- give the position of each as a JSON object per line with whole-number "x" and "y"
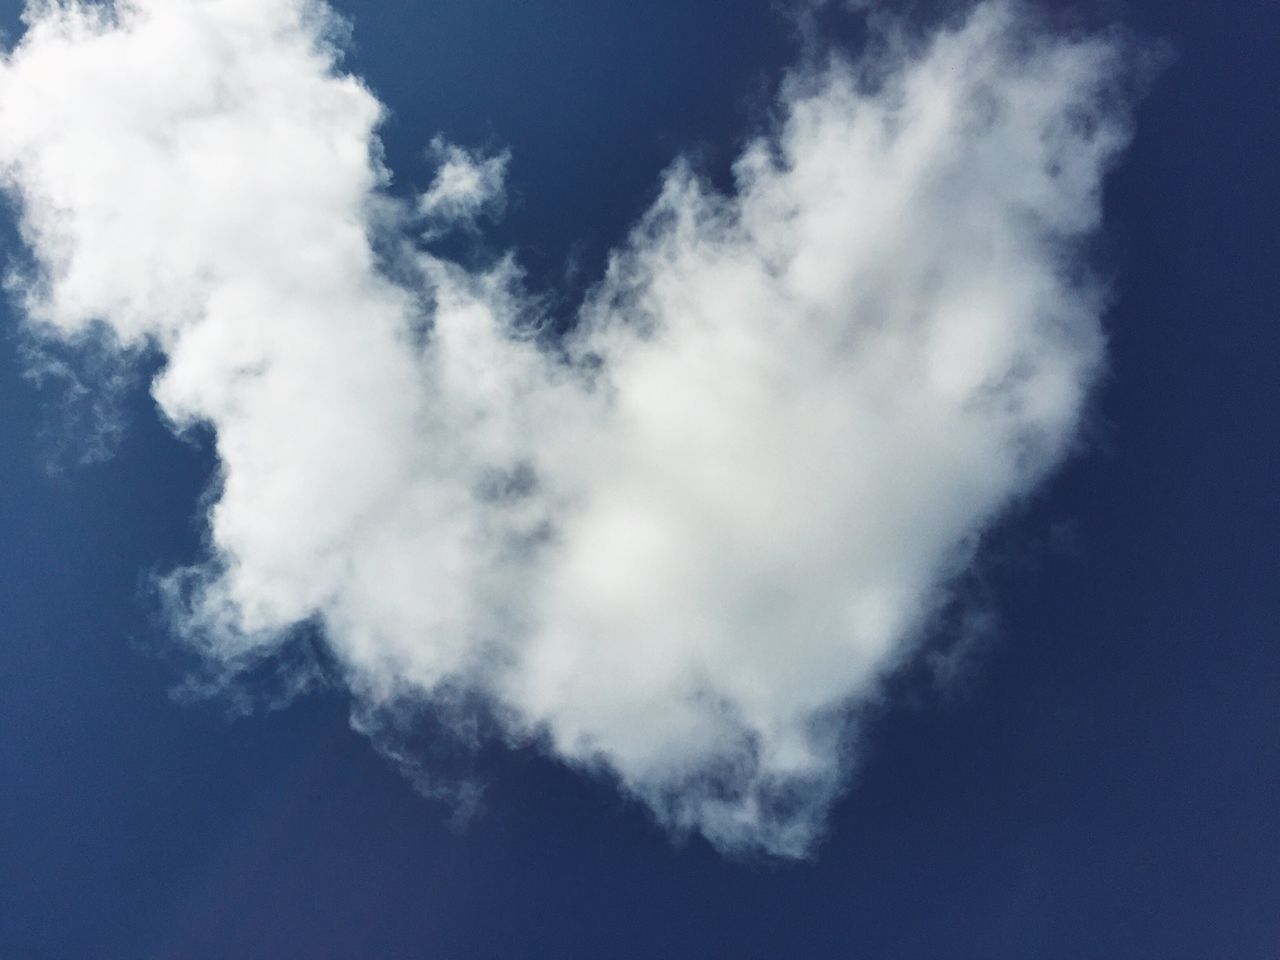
{"x": 687, "y": 544}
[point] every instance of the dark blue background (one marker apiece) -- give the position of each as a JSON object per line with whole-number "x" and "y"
{"x": 1107, "y": 785}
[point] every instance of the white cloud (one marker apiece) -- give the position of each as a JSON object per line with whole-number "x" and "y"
{"x": 686, "y": 547}
{"x": 466, "y": 185}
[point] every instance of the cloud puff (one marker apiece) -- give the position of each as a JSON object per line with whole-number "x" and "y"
{"x": 466, "y": 185}
{"x": 683, "y": 545}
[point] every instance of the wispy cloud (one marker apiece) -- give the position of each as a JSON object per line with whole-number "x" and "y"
{"x": 686, "y": 544}
{"x": 466, "y": 185}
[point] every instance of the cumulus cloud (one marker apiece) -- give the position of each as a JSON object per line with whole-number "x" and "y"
{"x": 685, "y": 544}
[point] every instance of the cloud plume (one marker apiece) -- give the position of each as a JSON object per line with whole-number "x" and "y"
{"x": 683, "y": 544}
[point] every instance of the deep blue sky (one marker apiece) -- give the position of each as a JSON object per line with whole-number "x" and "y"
{"x": 1106, "y": 785}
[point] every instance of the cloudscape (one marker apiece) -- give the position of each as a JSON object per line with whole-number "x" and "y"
{"x": 681, "y": 545}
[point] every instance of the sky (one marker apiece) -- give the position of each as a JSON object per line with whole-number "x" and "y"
{"x": 573, "y": 480}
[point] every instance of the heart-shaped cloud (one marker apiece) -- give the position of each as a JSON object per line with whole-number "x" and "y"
{"x": 684, "y": 543}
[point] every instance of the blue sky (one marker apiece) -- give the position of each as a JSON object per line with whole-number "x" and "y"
{"x": 1100, "y": 780}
